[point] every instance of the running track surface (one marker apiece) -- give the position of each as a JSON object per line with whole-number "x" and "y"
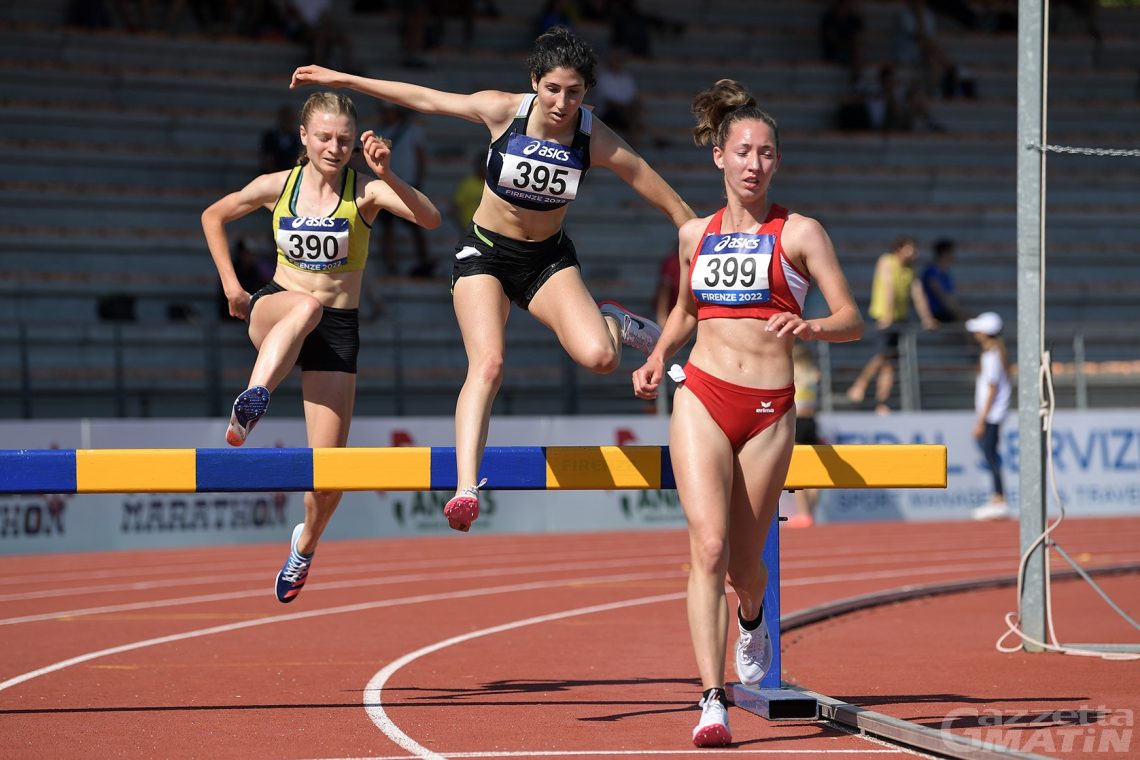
{"x": 525, "y": 646}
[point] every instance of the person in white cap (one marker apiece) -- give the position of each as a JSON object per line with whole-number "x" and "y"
{"x": 991, "y": 402}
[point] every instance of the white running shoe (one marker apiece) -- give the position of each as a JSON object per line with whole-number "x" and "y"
{"x": 637, "y": 332}
{"x": 712, "y": 729}
{"x": 994, "y": 510}
{"x": 753, "y": 654}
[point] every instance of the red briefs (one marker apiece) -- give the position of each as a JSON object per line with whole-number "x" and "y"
{"x": 740, "y": 412}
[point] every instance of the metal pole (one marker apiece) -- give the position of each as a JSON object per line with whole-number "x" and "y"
{"x": 1080, "y": 379}
{"x": 1031, "y": 61}
{"x": 826, "y": 400}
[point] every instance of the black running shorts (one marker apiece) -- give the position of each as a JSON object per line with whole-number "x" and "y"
{"x": 521, "y": 267}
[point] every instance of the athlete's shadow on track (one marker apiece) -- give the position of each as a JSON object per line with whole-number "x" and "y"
{"x": 489, "y": 694}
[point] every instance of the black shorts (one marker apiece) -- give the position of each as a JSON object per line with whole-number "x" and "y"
{"x": 806, "y": 432}
{"x": 889, "y": 342}
{"x": 521, "y": 267}
{"x": 333, "y": 345}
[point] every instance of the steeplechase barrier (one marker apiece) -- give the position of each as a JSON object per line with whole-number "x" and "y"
{"x": 583, "y": 468}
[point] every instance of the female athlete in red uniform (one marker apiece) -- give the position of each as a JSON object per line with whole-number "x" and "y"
{"x": 732, "y": 430}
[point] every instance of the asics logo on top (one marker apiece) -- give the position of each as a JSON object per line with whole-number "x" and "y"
{"x": 545, "y": 151}
{"x": 765, "y": 408}
{"x": 313, "y": 221}
{"x": 746, "y": 243}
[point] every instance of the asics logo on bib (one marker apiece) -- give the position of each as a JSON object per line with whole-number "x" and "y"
{"x": 742, "y": 243}
{"x": 313, "y": 221}
{"x": 545, "y": 151}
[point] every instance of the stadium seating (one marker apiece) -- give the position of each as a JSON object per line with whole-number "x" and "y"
{"x": 111, "y": 144}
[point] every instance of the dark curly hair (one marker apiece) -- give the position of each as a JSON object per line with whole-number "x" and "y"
{"x": 558, "y": 47}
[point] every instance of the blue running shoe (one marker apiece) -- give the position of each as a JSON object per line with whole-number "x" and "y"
{"x": 249, "y": 406}
{"x": 293, "y": 573}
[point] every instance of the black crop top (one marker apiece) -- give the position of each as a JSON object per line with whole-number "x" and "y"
{"x": 537, "y": 174}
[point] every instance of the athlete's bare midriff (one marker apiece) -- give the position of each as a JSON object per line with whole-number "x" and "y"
{"x": 337, "y": 291}
{"x": 496, "y": 215}
{"x": 742, "y": 352}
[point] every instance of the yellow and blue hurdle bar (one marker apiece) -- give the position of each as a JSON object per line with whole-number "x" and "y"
{"x": 584, "y": 468}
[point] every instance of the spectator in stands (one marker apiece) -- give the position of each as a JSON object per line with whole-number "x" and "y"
{"x": 469, "y": 191}
{"x": 618, "y": 101}
{"x": 554, "y": 13}
{"x": 733, "y": 423}
{"x": 937, "y": 280}
{"x": 806, "y": 374}
{"x": 1089, "y": 11}
{"x": 308, "y": 314}
{"x": 260, "y": 20}
{"x": 992, "y": 393}
{"x": 281, "y": 145}
{"x": 516, "y": 249}
{"x": 668, "y": 285}
{"x": 841, "y": 35}
{"x": 140, "y": 16}
{"x": 409, "y": 161}
{"x": 630, "y": 27}
{"x": 916, "y": 44}
{"x": 961, "y": 11}
{"x": 895, "y": 104}
{"x": 314, "y": 23}
{"x": 893, "y": 289}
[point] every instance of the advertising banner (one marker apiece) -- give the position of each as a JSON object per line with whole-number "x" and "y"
{"x": 1096, "y": 461}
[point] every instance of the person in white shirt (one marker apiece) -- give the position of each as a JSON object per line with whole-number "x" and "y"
{"x": 991, "y": 402}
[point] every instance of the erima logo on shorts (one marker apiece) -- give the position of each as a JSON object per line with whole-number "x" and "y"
{"x": 746, "y": 243}
{"x": 313, "y": 221}
{"x": 545, "y": 151}
{"x": 765, "y": 408}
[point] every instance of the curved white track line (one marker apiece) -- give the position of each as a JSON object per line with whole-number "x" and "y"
{"x": 329, "y": 585}
{"x": 373, "y": 691}
{"x": 461, "y": 594}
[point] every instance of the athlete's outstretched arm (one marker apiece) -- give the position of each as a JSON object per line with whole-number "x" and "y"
{"x": 487, "y": 106}
{"x": 609, "y": 150}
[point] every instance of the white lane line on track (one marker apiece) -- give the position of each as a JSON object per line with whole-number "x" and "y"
{"x": 333, "y": 585}
{"x": 374, "y": 704}
{"x": 785, "y": 567}
{"x": 78, "y": 583}
{"x": 373, "y": 691}
{"x": 804, "y": 581}
{"x": 360, "y": 607}
{"x": 547, "y": 562}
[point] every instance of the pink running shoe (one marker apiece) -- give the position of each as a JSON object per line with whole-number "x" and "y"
{"x": 637, "y": 332}
{"x": 463, "y": 508}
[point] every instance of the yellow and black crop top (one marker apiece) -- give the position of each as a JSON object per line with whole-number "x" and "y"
{"x": 337, "y": 242}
